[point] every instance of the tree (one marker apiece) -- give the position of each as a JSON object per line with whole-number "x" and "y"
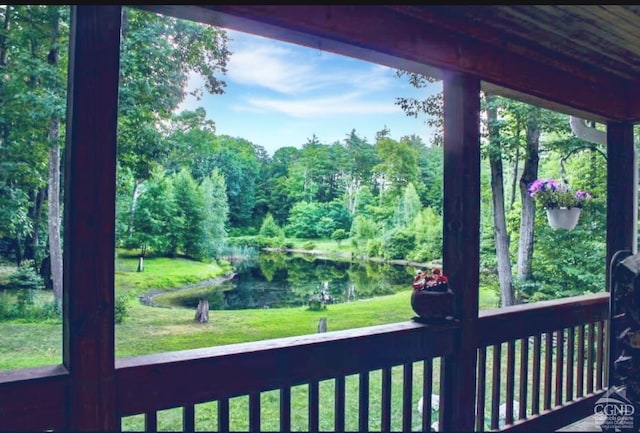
{"x": 427, "y": 227}
{"x": 398, "y": 166}
{"x": 158, "y": 55}
{"x": 270, "y": 228}
{"x": 57, "y": 112}
{"x": 189, "y": 214}
{"x": 408, "y": 208}
{"x": 155, "y": 220}
{"x": 432, "y": 105}
{"x": 216, "y": 213}
{"x": 31, "y": 114}
{"x": 501, "y": 234}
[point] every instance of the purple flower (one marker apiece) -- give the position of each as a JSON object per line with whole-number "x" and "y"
{"x": 540, "y": 185}
{"x": 583, "y": 195}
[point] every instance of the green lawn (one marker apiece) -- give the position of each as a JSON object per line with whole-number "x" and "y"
{"x": 150, "y": 330}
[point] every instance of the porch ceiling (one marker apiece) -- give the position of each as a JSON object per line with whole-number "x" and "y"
{"x": 579, "y": 59}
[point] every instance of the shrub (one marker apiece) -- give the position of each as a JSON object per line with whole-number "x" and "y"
{"x": 269, "y": 242}
{"x": 270, "y": 228}
{"x": 309, "y": 245}
{"x": 120, "y": 309}
{"x": 398, "y": 244}
{"x": 25, "y": 277}
{"x": 339, "y": 235}
{"x": 374, "y": 248}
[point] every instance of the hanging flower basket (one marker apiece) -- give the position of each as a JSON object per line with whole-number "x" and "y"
{"x": 563, "y": 218}
{"x": 563, "y": 205}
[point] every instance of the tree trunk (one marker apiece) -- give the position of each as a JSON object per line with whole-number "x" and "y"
{"x": 527, "y": 218}
{"x": 132, "y": 209}
{"x": 4, "y": 128}
{"x": 17, "y": 248}
{"x": 3, "y": 36}
{"x": 202, "y": 312}
{"x": 516, "y": 168}
{"x": 55, "y": 242}
{"x": 501, "y": 236}
{"x": 35, "y": 252}
{"x": 322, "y": 324}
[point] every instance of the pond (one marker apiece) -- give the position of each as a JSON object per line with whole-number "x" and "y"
{"x": 278, "y": 280}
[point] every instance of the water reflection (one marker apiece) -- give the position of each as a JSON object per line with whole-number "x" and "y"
{"x": 276, "y": 280}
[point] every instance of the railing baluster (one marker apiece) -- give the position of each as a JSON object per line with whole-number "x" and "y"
{"x": 385, "y": 410}
{"x": 559, "y": 365}
{"x": 590, "y": 352}
{"x": 427, "y": 389}
{"x": 495, "y": 385}
{"x": 548, "y": 353}
{"x": 363, "y": 402}
{"x": 481, "y": 393}
{"x": 524, "y": 377}
{"x": 570, "y": 360}
{"x": 188, "y": 418}
{"x": 339, "y": 403}
{"x": 254, "y": 412}
{"x": 151, "y": 421}
{"x": 407, "y": 396}
{"x": 314, "y": 406}
{"x": 600, "y": 355}
{"x": 285, "y": 409}
{"x": 535, "y": 378}
{"x": 223, "y": 415}
{"x": 511, "y": 364}
{"x": 580, "y": 363}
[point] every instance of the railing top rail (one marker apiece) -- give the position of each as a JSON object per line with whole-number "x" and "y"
{"x": 33, "y": 373}
{"x": 556, "y": 304}
{"x": 521, "y": 321}
{"x": 350, "y": 335}
{"x": 247, "y": 368}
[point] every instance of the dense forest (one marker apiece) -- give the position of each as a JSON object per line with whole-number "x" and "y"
{"x": 185, "y": 190}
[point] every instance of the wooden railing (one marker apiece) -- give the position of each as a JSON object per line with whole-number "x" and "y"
{"x": 366, "y": 379}
{"x": 552, "y": 356}
{"x": 386, "y": 367}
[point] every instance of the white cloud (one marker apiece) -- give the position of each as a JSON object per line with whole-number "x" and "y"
{"x": 337, "y": 105}
{"x": 292, "y": 70}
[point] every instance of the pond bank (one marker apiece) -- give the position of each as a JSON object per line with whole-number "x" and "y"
{"x": 353, "y": 257}
{"x": 147, "y": 298}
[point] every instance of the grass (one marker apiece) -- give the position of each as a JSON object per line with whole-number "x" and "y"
{"x": 162, "y": 273}
{"x": 152, "y": 330}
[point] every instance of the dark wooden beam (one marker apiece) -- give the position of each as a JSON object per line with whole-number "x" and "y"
{"x": 461, "y": 242}
{"x": 33, "y": 399}
{"x": 633, "y": 103}
{"x": 89, "y": 223}
{"x": 386, "y": 36}
{"x": 622, "y": 190}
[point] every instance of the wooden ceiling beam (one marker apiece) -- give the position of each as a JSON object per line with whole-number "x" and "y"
{"x": 381, "y": 35}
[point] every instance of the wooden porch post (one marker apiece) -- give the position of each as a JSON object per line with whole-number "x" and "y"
{"x": 89, "y": 223}
{"x": 622, "y": 208}
{"x": 461, "y": 243}
{"x": 622, "y": 191}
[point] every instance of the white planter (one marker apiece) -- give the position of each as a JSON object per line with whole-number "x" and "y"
{"x": 563, "y": 218}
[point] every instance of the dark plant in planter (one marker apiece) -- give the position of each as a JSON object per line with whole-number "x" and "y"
{"x": 431, "y": 298}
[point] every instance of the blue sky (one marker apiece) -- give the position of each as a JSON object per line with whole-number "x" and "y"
{"x": 280, "y": 94}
